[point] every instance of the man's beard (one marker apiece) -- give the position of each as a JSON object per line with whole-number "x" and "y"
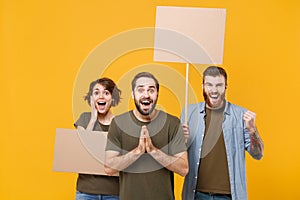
{"x": 207, "y": 101}
{"x": 137, "y": 105}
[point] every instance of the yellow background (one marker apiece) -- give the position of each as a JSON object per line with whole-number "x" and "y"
{"x": 44, "y": 43}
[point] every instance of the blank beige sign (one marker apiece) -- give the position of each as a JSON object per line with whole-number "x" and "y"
{"x": 189, "y": 35}
{"x": 79, "y": 151}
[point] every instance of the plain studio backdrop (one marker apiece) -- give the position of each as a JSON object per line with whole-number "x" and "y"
{"x": 45, "y": 43}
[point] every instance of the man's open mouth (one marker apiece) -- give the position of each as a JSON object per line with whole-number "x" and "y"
{"x": 214, "y": 96}
{"x": 146, "y": 102}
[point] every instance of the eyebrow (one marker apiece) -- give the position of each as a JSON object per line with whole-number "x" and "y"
{"x": 207, "y": 83}
{"x": 215, "y": 84}
{"x": 151, "y": 86}
{"x": 97, "y": 89}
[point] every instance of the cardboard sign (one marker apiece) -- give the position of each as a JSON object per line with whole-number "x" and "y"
{"x": 189, "y": 35}
{"x": 79, "y": 151}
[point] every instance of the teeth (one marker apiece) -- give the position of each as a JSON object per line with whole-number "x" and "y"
{"x": 146, "y": 102}
{"x": 101, "y": 103}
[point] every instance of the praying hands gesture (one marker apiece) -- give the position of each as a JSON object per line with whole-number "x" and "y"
{"x": 145, "y": 142}
{"x": 177, "y": 163}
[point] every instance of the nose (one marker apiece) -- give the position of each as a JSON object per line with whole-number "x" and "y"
{"x": 146, "y": 93}
{"x": 101, "y": 95}
{"x": 214, "y": 88}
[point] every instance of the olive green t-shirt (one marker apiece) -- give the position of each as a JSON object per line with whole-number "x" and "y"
{"x": 90, "y": 183}
{"x": 213, "y": 169}
{"x": 146, "y": 179}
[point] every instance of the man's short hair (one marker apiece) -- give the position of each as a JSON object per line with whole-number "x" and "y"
{"x": 215, "y": 71}
{"x": 144, "y": 74}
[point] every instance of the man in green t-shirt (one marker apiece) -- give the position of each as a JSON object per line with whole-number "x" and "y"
{"x": 146, "y": 146}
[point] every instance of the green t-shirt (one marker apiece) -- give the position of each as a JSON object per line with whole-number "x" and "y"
{"x": 146, "y": 179}
{"x": 95, "y": 184}
{"x": 213, "y": 173}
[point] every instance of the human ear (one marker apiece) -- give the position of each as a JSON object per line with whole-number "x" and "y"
{"x": 132, "y": 96}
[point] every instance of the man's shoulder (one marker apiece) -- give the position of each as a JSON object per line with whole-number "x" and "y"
{"x": 169, "y": 116}
{"x": 196, "y": 106}
{"x": 123, "y": 115}
{"x": 235, "y": 106}
{"x": 230, "y": 107}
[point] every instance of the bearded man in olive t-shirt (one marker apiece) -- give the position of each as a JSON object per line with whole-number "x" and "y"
{"x": 146, "y": 146}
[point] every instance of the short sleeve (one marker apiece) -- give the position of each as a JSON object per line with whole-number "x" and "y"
{"x": 177, "y": 143}
{"x": 113, "y": 138}
{"x": 83, "y": 120}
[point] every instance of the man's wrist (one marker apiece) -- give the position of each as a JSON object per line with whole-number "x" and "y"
{"x": 137, "y": 152}
{"x": 152, "y": 150}
{"x": 252, "y": 131}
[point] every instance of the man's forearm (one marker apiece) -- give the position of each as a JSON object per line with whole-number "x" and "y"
{"x": 120, "y": 162}
{"x": 177, "y": 163}
{"x": 256, "y": 145}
